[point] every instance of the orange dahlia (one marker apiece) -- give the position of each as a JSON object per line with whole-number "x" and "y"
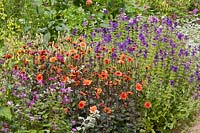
{"x": 81, "y": 104}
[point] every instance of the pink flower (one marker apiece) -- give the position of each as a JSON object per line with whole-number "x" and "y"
{"x": 150, "y": 18}
{"x": 195, "y": 11}
{"x": 88, "y": 2}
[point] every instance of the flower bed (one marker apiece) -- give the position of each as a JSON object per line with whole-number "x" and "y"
{"x": 131, "y": 75}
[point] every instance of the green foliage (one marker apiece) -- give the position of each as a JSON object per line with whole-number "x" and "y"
{"x": 168, "y": 7}
{"x": 5, "y": 112}
{"x": 52, "y": 17}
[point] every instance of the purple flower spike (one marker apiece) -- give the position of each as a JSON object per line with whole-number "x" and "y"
{"x": 172, "y": 82}
{"x": 173, "y": 45}
{"x": 93, "y": 34}
{"x": 142, "y": 38}
{"x": 85, "y": 23}
{"x": 74, "y": 31}
{"x": 198, "y": 79}
{"x": 105, "y": 11}
{"x": 174, "y": 68}
{"x": 92, "y": 17}
{"x": 107, "y": 38}
{"x": 191, "y": 78}
{"x": 180, "y": 36}
{"x": 113, "y": 55}
{"x": 132, "y": 21}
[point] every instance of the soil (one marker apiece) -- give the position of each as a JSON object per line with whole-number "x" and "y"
{"x": 195, "y": 128}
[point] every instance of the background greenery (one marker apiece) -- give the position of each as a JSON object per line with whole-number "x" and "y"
{"x": 50, "y": 17}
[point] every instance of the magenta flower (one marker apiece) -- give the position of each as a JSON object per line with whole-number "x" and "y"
{"x": 195, "y": 11}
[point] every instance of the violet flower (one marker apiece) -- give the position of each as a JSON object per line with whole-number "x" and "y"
{"x": 113, "y": 24}
{"x": 85, "y": 23}
{"x": 74, "y": 31}
{"x": 92, "y": 17}
{"x": 65, "y": 100}
{"x": 107, "y": 38}
{"x": 174, "y": 68}
{"x": 93, "y": 34}
{"x": 180, "y": 36}
{"x": 173, "y": 45}
{"x": 172, "y": 82}
{"x": 105, "y": 11}
{"x": 132, "y": 21}
{"x": 113, "y": 55}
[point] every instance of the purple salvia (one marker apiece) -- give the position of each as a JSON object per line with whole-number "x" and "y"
{"x": 180, "y": 36}
{"x": 173, "y": 45}
{"x": 174, "y": 68}
{"x": 132, "y": 22}
{"x": 74, "y": 31}
{"x": 105, "y": 11}
{"x": 107, "y": 38}
{"x": 113, "y": 24}
{"x": 172, "y": 82}
{"x": 113, "y": 55}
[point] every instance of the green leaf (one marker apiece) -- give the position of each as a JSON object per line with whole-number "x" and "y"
{"x": 26, "y": 131}
{"x": 47, "y": 37}
{"x": 104, "y": 25}
{"x": 153, "y": 131}
{"x": 5, "y": 112}
{"x": 32, "y": 131}
{"x": 100, "y": 15}
{"x": 37, "y": 2}
{"x": 58, "y": 28}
